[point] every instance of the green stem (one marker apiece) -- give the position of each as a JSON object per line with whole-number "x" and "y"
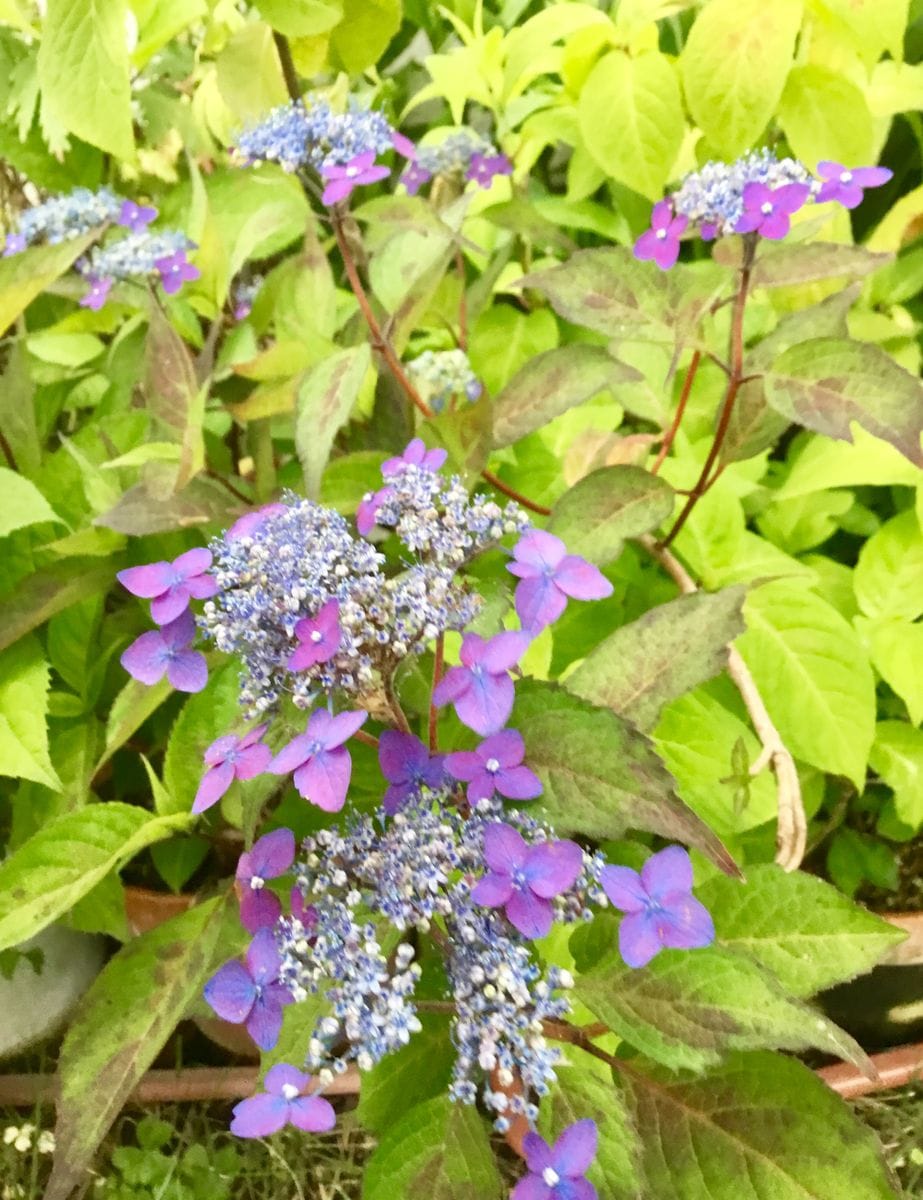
{"x": 259, "y": 438}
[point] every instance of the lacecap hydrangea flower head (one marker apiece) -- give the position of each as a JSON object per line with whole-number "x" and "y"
{"x": 319, "y": 619}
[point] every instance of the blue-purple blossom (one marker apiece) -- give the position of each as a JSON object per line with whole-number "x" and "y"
{"x": 523, "y": 879}
{"x": 484, "y": 168}
{"x": 661, "y": 241}
{"x": 97, "y": 294}
{"x": 249, "y": 993}
{"x": 319, "y": 637}
{"x": 661, "y": 912}
{"x": 548, "y": 575}
{"x": 171, "y": 585}
{"x": 414, "y": 177}
{"x": 139, "y": 256}
{"x": 229, "y": 758}
{"x": 310, "y": 133}
{"x": 846, "y": 185}
{"x": 768, "y": 211}
{"x": 558, "y": 1172}
{"x": 495, "y": 766}
{"x": 283, "y": 1103}
{"x": 414, "y": 454}
{"x": 167, "y": 651}
{"x": 175, "y": 269}
{"x": 408, "y": 766}
{"x": 61, "y": 218}
{"x": 319, "y": 760}
{"x": 481, "y": 688}
{"x": 341, "y": 180}
{"x": 136, "y": 216}
{"x": 270, "y": 856}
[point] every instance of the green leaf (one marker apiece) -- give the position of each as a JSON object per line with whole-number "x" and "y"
{"x": 759, "y": 1127}
{"x": 130, "y": 709}
{"x": 551, "y": 384}
{"x": 23, "y": 709}
{"x": 890, "y": 567}
{"x": 897, "y": 655}
{"x": 302, "y": 18}
{"x": 687, "y": 1009}
{"x": 504, "y": 340}
{"x": 813, "y": 675}
{"x": 66, "y": 858}
{"x": 825, "y": 115}
{"x": 325, "y": 400}
{"x": 348, "y": 478}
{"x": 826, "y": 383}
{"x": 418, "y": 1072}
{"x": 600, "y": 775}
{"x": 734, "y": 65}
{"x": 174, "y": 397}
{"x": 436, "y": 1151}
{"x": 122, "y": 1024}
{"x": 897, "y": 757}
{"x": 665, "y": 653}
{"x": 822, "y": 464}
{"x": 49, "y": 591}
{"x": 23, "y": 503}
{"x": 248, "y": 73}
{"x": 871, "y": 25}
{"x": 586, "y": 1089}
{"x": 177, "y": 860}
{"x": 805, "y": 931}
{"x": 640, "y": 147}
{"x": 598, "y": 513}
{"x": 83, "y": 72}
{"x": 24, "y": 276}
{"x": 805, "y": 262}
{"x": 365, "y": 31}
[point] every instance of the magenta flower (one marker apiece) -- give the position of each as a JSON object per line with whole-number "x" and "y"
{"x": 341, "y": 180}
{"x": 15, "y": 244}
{"x": 247, "y": 525}
{"x": 166, "y": 651}
{"x": 305, "y": 913}
{"x": 249, "y": 992}
{"x": 481, "y": 688}
{"x": 270, "y": 856}
{"x": 414, "y": 455}
{"x": 231, "y": 758}
{"x": 407, "y": 765}
{"x": 661, "y": 911}
{"x": 319, "y": 637}
{"x": 170, "y": 586}
{"x": 136, "y": 217}
{"x": 282, "y": 1104}
{"x": 767, "y": 211}
{"x": 495, "y": 766}
{"x": 483, "y": 168}
{"x": 403, "y": 145}
{"x": 522, "y": 879}
{"x": 558, "y": 1172}
{"x": 367, "y": 512}
{"x": 661, "y": 241}
{"x": 846, "y": 184}
{"x": 97, "y": 294}
{"x": 321, "y": 763}
{"x": 175, "y": 270}
{"x": 708, "y": 231}
{"x": 548, "y": 575}
{"x": 414, "y": 178}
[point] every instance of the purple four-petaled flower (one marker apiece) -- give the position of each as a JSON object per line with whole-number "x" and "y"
{"x": 321, "y": 764}
{"x": 523, "y": 879}
{"x": 846, "y": 184}
{"x": 136, "y": 217}
{"x": 247, "y": 525}
{"x": 558, "y": 1172}
{"x": 484, "y": 168}
{"x": 229, "y": 758}
{"x": 481, "y": 688}
{"x": 341, "y": 180}
{"x": 407, "y": 765}
{"x": 661, "y": 241}
{"x": 768, "y": 211}
{"x": 270, "y": 856}
{"x": 495, "y": 766}
{"x": 414, "y": 177}
{"x": 175, "y": 270}
{"x": 249, "y": 992}
{"x": 661, "y": 912}
{"x": 97, "y": 294}
{"x": 283, "y": 1103}
{"x": 319, "y": 637}
{"x": 415, "y": 454}
{"x": 170, "y": 585}
{"x": 548, "y": 576}
{"x": 166, "y": 651}
{"x": 367, "y": 512}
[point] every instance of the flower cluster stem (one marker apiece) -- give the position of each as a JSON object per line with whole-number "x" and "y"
{"x": 670, "y": 435}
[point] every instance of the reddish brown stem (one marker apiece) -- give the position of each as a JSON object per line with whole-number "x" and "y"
{"x": 735, "y": 378}
{"x": 369, "y": 739}
{"x": 437, "y": 675}
{"x": 671, "y": 433}
{"x": 497, "y": 482}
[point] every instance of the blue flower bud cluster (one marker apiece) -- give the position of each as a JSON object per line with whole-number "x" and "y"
{"x": 438, "y": 375}
{"x": 61, "y": 218}
{"x": 287, "y": 568}
{"x": 311, "y": 133}
{"x": 133, "y": 256}
{"x": 713, "y": 195}
{"x": 454, "y": 153}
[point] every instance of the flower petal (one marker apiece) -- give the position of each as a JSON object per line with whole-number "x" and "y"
{"x": 220, "y": 748}
{"x": 504, "y": 848}
{"x": 148, "y": 581}
{"x": 624, "y": 888}
{"x": 575, "y": 1149}
{"x": 170, "y": 605}
{"x": 342, "y": 727}
{"x": 193, "y": 562}
{"x": 262, "y": 957}
{"x": 518, "y": 783}
{"x": 146, "y": 658}
{"x": 313, "y": 1114}
{"x": 537, "y": 1152}
{"x": 638, "y": 939}
{"x": 188, "y": 671}
{"x": 539, "y": 548}
{"x": 252, "y": 761}
{"x": 284, "y": 1075}
{"x": 273, "y": 854}
{"x": 580, "y": 579}
{"x": 452, "y": 686}
{"x": 539, "y": 602}
{"x": 231, "y": 992}
{"x": 215, "y": 782}
{"x": 464, "y": 765}
{"x": 493, "y": 891}
{"x": 486, "y": 705}
{"x": 669, "y": 870}
{"x": 324, "y": 780}
{"x": 259, "y": 909}
{"x": 532, "y": 915}
{"x": 685, "y": 923}
{"x": 265, "y": 1022}
{"x": 292, "y": 756}
{"x": 552, "y": 867}
{"x": 507, "y": 747}
{"x": 532, "y": 1187}
{"x": 503, "y": 651}
{"x": 259, "y": 1116}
